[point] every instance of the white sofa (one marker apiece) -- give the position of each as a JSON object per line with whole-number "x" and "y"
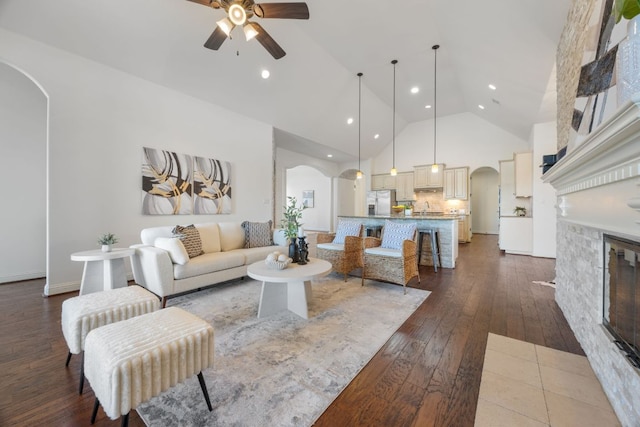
{"x": 224, "y": 258}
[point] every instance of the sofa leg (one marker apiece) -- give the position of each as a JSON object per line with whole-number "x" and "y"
{"x": 125, "y": 420}
{"x": 95, "y": 410}
{"x": 81, "y": 374}
{"x": 203, "y": 386}
{"x": 164, "y": 302}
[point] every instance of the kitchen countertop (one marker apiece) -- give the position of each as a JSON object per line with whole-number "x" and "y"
{"x": 442, "y": 217}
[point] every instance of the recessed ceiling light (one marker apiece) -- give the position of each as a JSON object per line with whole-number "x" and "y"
{"x": 415, "y": 89}
{"x": 350, "y": 120}
{"x": 265, "y": 74}
{"x": 329, "y": 155}
{"x": 492, "y": 87}
{"x": 427, "y": 106}
{"x": 376, "y": 136}
{"x": 481, "y": 107}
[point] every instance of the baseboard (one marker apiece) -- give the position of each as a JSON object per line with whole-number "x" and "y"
{"x": 63, "y": 288}
{"x": 21, "y": 277}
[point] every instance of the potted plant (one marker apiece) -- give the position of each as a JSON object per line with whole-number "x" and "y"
{"x": 627, "y": 9}
{"x": 520, "y": 211}
{"x": 290, "y": 223}
{"x": 107, "y": 240}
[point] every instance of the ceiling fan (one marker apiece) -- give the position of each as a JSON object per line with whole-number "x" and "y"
{"x": 240, "y": 11}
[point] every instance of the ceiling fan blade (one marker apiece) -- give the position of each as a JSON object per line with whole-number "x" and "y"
{"x": 203, "y": 2}
{"x": 281, "y": 10}
{"x": 268, "y": 43}
{"x": 216, "y": 39}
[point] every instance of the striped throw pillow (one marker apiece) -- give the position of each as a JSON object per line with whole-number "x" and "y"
{"x": 190, "y": 238}
{"x": 395, "y": 233}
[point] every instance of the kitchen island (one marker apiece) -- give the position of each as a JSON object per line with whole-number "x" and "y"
{"x": 447, "y": 226}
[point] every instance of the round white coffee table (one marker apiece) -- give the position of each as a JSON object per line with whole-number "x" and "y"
{"x": 288, "y": 289}
{"x": 102, "y": 270}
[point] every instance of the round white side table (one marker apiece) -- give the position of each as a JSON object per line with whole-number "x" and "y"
{"x": 288, "y": 289}
{"x": 102, "y": 270}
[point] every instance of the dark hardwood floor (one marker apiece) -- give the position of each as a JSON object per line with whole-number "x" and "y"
{"x": 428, "y": 373}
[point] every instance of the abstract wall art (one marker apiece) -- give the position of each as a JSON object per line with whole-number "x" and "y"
{"x": 211, "y": 186}
{"x": 182, "y": 184}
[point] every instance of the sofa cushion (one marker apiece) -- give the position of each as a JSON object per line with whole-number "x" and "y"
{"x": 210, "y": 236}
{"x": 257, "y": 234}
{"x": 260, "y": 254}
{"x": 190, "y": 239}
{"x": 330, "y": 246}
{"x": 394, "y": 233}
{"x": 174, "y": 246}
{"x": 208, "y": 263}
{"x": 149, "y": 235}
{"x": 231, "y": 236}
{"x": 395, "y": 253}
{"x": 347, "y": 228}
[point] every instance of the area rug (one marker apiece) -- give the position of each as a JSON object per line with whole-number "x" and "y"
{"x": 282, "y": 370}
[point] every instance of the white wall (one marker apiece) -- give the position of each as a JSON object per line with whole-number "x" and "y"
{"x": 100, "y": 119}
{"x": 23, "y": 127}
{"x": 463, "y": 140}
{"x": 544, "y": 139}
{"x": 303, "y": 178}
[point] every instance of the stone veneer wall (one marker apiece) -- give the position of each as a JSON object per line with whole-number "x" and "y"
{"x": 579, "y": 270}
{"x": 569, "y": 61}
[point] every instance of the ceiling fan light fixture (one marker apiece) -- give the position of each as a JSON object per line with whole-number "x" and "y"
{"x": 237, "y": 14}
{"x": 250, "y": 31}
{"x": 226, "y": 25}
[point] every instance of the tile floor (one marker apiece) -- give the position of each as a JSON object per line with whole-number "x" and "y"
{"x": 528, "y": 385}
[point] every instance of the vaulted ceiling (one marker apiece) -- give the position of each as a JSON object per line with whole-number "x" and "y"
{"x": 314, "y": 89}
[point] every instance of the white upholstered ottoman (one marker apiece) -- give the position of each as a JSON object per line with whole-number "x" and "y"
{"x": 129, "y": 362}
{"x": 83, "y": 313}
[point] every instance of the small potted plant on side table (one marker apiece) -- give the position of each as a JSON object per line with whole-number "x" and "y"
{"x": 107, "y": 240}
{"x": 520, "y": 211}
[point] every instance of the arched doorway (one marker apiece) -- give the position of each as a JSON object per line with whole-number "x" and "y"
{"x": 23, "y": 170}
{"x": 315, "y": 187}
{"x": 485, "y": 198}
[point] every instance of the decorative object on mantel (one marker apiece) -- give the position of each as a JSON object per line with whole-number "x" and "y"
{"x": 107, "y": 240}
{"x": 520, "y": 211}
{"x": 291, "y": 224}
{"x": 435, "y": 47}
{"x": 394, "y": 171}
{"x": 628, "y": 67}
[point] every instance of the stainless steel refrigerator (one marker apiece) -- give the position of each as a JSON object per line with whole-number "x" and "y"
{"x": 379, "y": 202}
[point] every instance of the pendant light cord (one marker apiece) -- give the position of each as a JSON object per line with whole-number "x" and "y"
{"x": 359, "y": 115}
{"x": 394, "y": 62}
{"x": 435, "y": 98}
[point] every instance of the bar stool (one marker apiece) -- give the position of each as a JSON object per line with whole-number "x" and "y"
{"x": 435, "y": 246}
{"x": 373, "y": 230}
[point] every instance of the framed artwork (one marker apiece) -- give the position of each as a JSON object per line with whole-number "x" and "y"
{"x": 181, "y": 184}
{"x": 307, "y": 198}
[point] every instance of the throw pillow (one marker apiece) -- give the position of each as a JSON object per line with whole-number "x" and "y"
{"x": 394, "y": 233}
{"x": 174, "y": 246}
{"x": 257, "y": 234}
{"x": 346, "y": 228}
{"x": 190, "y": 238}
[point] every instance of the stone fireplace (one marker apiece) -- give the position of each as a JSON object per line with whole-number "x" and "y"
{"x": 598, "y": 194}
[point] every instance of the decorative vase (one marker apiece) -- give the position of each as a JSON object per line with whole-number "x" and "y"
{"x": 293, "y": 249}
{"x": 303, "y": 252}
{"x": 408, "y": 212}
{"x": 628, "y": 63}
{"x": 106, "y": 248}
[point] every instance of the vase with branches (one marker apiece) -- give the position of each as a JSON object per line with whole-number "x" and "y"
{"x": 291, "y": 223}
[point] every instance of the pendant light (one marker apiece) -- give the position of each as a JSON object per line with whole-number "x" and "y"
{"x": 434, "y": 166}
{"x": 394, "y": 171}
{"x": 359, "y": 173}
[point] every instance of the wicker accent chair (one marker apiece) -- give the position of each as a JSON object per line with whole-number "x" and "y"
{"x": 344, "y": 258}
{"x": 388, "y": 264}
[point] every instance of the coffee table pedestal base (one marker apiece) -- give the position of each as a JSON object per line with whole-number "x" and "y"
{"x": 292, "y": 296}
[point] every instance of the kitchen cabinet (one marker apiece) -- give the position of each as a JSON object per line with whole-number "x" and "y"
{"x": 383, "y": 182}
{"x": 516, "y": 235}
{"x": 424, "y": 178}
{"x": 523, "y": 173}
{"x": 456, "y": 183}
{"x": 404, "y": 186}
{"x": 464, "y": 228}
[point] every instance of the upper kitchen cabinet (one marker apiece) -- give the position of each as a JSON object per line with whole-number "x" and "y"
{"x": 456, "y": 183}
{"x": 383, "y": 182}
{"x": 523, "y": 169}
{"x": 404, "y": 186}
{"x": 424, "y": 178}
